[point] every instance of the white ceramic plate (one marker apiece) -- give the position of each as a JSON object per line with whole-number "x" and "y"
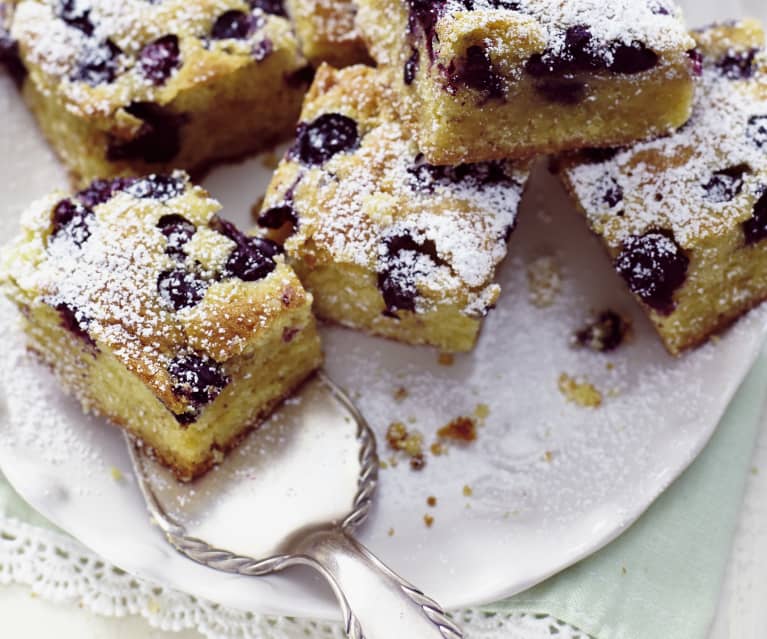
{"x": 552, "y": 482}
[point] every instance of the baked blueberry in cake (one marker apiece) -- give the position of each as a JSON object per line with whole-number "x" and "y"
{"x": 685, "y": 217}
{"x": 484, "y": 80}
{"x": 385, "y": 241}
{"x": 327, "y": 31}
{"x": 159, "y": 314}
{"x": 130, "y": 87}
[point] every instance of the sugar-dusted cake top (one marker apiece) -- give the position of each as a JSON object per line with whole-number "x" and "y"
{"x": 145, "y": 268}
{"x": 359, "y": 193}
{"x": 580, "y": 34}
{"x": 705, "y": 178}
{"x": 103, "y": 54}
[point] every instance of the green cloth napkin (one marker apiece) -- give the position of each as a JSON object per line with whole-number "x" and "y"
{"x": 661, "y": 579}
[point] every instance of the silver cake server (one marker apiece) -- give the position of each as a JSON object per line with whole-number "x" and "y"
{"x": 311, "y": 474}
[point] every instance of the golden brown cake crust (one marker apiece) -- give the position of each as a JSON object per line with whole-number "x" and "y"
{"x": 483, "y": 80}
{"x": 685, "y": 217}
{"x": 417, "y": 244}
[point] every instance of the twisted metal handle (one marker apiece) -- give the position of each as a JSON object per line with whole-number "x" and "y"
{"x": 376, "y": 602}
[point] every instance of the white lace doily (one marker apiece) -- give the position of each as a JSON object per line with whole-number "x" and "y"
{"x": 59, "y": 569}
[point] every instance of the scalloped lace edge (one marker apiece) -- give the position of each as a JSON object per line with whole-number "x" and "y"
{"x": 59, "y": 569}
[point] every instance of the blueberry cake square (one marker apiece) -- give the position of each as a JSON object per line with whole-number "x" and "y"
{"x": 483, "y": 80}
{"x": 685, "y": 217}
{"x": 160, "y": 315}
{"x": 385, "y": 241}
{"x": 327, "y": 32}
{"x": 131, "y": 87}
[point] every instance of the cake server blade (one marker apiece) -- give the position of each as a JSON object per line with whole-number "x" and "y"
{"x": 310, "y": 475}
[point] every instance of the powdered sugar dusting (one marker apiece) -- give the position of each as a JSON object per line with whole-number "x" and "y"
{"x": 656, "y": 23}
{"x": 350, "y": 206}
{"x": 671, "y": 183}
{"x": 57, "y": 39}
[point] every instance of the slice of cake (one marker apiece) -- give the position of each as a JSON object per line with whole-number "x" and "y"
{"x": 159, "y": 315}
{"x": 327, "y": 32}
{"x": 685, "y": 217}
{"x": 385, "y": 241}
{"x": 494, "y": 79}
{"x": 132, "y": 87}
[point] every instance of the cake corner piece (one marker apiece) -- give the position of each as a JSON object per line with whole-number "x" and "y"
{"x": 160, "y": 315}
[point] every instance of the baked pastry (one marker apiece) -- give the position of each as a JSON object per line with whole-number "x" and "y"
{"x": 132, "y": 87}
{"x": 385, "y": 241}
{"x": 494, "y": 79}
{"x": 326, "y": 31}
{"x": 159, "y": 315}
{"x": 685, "y": 217}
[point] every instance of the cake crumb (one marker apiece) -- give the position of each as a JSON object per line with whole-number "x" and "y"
{"x": 446, "y": 359}
{"x": 410, "y": 443}
{"x": 431, "y": 501}
{"x": 467, "y": 491}
{"x": 604, "y": 333}
{"x": 437, "y": 449}
{"x": 382, "y": 464}
{"x": 462, "y": 429}
{"x": 578, "y": 392}
{"x": 418, "y": 462}
{"x": 482, "y": 412}
{"x": 544, "y": 281}
{"x": 401, "y": 394}
{"x": 116, "y": 473}
{"x": 428, "y": 520}
{"x": 391, "y": 532}
{"x": 548, "y": 456}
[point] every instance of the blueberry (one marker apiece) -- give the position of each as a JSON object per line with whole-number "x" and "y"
{"x": 177, "y": 230}
{"x": 738, "y": 65}
{"x": 478, "y": 175}
{"x": 396, "y": 273}
{"x": 75, "y": 322}
{"x": 197, "y": 378}
{"x": 612, "y": 192}
{"x": 252, "y": 258}
{"x": 633, "y": 58}
{"x": 75, "y": 16}
{"x": 696, "y": 57}
{"x": 180, "y": 289}
{"x": 100, "y": 191}
{"x": 606, "y": 333}
{"x": 726, "y": 184}
{"x": 755, "y": 228}
{"x": 578, "y": 54}
{"x": 328, "y": 135}
{"x": 262, "y": 50}
{"x": 234, "y": 24}
{"x": 423, "y": 16}
{"x": 273, "y": 7}
{"x": 654, "y": 266}
{"x": 475, "y": 70}
{"x": 157, "y": 141}
{"x": 74, "y": 219}
{"x": 411, "y": 67}
{"x": 757, "y": 130}
{"x": 159, "y": 59}
{"x": 97, "y": 64}
{"x": 277, "y": 216}
{"x": 159, "y": 187}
